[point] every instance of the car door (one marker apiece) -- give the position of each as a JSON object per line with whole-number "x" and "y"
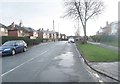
{"x": 21, "y": 44}
{"x": 18, "y": 46}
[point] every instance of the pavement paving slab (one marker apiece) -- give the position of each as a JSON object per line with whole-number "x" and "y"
{"x": 109, "y": 68}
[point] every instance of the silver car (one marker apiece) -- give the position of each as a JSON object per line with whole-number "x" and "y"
{"x": 71, "y": 40}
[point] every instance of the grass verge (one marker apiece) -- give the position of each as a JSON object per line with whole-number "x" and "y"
{"x": 94, "y": 53}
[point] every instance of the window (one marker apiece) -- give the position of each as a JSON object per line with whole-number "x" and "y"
{"x": 20, "y": 42}
{"x": 2, "y": 29}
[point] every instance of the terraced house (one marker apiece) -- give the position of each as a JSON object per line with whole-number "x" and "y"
{"x": 47, "y": 34}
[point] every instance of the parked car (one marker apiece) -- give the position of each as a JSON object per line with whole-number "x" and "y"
{"x": 13, "y": 47}
{"x": 71, "y": 40}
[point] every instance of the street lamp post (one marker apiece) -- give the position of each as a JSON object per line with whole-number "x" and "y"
{"x": 53, "y": 31}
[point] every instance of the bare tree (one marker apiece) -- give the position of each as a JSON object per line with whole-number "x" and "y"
{"x": 84, "y": 10}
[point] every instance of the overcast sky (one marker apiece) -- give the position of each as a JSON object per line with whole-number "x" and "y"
{"x": 41, "y": 13}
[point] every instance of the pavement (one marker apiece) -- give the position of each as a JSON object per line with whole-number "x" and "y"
{"x": 109, "y": 69}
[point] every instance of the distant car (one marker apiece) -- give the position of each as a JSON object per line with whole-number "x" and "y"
{"x": 13, "y": 47}
{"x": 71, "y": 40}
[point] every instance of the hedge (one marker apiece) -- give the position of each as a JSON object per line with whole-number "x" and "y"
{"x": 104, "y": 38}
{"x": 26, "y": 39}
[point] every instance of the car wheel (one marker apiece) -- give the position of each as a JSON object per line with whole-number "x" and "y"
{"x": 13, "y": 52}
{"x": 24, "y": 49}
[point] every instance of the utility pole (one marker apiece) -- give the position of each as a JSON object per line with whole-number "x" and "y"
{"x": 20, "y": 24}
{"x": 58, "y": 33}
{"x": 53, "y": 30}
{"x": 53, "y": 26}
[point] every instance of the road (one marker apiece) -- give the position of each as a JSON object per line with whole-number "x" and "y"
{"x": 46, "y": 62}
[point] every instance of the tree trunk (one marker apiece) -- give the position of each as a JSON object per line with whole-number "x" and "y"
{"x": 85, "y": 35}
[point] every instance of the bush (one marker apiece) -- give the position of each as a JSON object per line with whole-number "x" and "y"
{"x": 36, "y": 41}
{"x": 45, "y": 40}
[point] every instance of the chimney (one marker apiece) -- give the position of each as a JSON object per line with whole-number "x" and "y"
{"x": 106, "y": 23}
{"x": 13, "y": 26}
{"x": 47, "y": 29}
{"x": 20, "y": 24}
{"x": 39, "y": 29}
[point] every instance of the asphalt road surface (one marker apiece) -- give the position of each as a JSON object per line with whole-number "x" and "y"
{"x": 46, "y": 62}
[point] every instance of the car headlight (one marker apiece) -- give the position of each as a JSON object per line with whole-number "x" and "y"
{"x": 7, "y": 49}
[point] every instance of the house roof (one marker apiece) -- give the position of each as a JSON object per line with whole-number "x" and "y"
{"x": 3, "y": 26}
{"x": 47, "y": 31}
{"x": 9, "y": 27}
{"x": 22, "y": 28}
{"x": 17, "y": 27}
{"x": 29, "y": 29}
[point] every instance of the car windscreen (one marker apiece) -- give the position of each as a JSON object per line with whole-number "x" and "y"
{"x": 9, "y": 43}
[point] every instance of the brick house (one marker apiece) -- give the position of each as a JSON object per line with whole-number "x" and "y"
{"x": 63, "y": 36}
{"x": 40, "y": 33}
{"x": 17, "y": 30}
{"x": 109, "y": 29}
{"x": 3, "y": 30}
{"x": 105, "y": 30}
{"x": 32, "y": 33}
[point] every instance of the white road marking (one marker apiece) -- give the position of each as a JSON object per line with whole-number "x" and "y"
{"x": 96, "y": 75}
{"x": 100, "y": 81}
{"x": 21, "y": 64}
